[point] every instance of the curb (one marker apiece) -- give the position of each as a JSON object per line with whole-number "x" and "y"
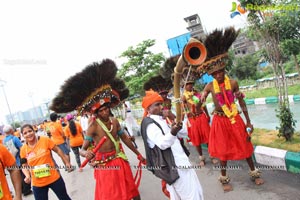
{"x": 271, "y": 100}
{"x": 277, "y": 159}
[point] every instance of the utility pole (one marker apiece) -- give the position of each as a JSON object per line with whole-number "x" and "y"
{"x": 2, "y": 82}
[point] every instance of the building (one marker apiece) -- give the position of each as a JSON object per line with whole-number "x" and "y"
{"x": 195, "y": 27}
{"x": 33, "y": 116}
{"x": 243, "y": 45}
{"x": 176, "y": 44}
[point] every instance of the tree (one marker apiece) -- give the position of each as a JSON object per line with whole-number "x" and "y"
{"x": 245, "y": 67}
{"x": 269, "y": 24}
{"x": 292, "y": 47}
{"x": 140, "y": 66}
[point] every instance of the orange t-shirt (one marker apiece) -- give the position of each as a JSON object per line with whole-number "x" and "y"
{"x": 57, "y": 132}
{"x": 2, "y": 138}
{"x": 40, "y": 161}
{"x": 76, "y": 140}
{"x": 6, "y": 160}
{"x": 17, "y": 134}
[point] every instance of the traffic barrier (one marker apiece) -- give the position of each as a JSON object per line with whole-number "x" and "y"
{"x": 274, "y": 158}
{"x": 249, "y": 101}
{"x": 296, "y": 98}
{"x": 292, "y": 161}
{"x": 270, "y": 100}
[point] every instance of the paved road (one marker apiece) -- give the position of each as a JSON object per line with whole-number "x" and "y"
{"x": 279, "y": 185}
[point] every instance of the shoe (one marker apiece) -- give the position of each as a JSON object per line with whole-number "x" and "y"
{"x": 27, "y": 193}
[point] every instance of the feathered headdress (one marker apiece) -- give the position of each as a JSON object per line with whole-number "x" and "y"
{"x": 217, "y": 44}
{"x": 189, "y": 75}
{"x": 158, "y": 84}
{"x": 163, "y": 82}
{"x": 90, "y": 89}
{"x": 167, "y": 69}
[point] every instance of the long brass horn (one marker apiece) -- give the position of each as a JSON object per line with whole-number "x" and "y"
{"x": 194, "y": 53}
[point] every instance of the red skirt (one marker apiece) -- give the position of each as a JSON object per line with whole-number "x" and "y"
{"x": 229, "y": 141}
{"x": 114, "y": 180}
{"x": 199, "y": 130}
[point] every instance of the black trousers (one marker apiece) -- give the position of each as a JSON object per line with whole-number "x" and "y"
{"x": 26, "y": 187}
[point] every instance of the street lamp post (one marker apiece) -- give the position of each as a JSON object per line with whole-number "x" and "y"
{"x": 2, "y": 82}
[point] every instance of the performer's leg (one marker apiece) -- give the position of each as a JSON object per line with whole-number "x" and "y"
{"x": 254, "y": 173}
{"x": 213, "y": 159}
{"x": 224, "y": 179}
{"x": 202, "y": 158}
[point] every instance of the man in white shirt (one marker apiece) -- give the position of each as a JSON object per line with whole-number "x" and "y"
{"x": 84, "y": 123}
{"x": 160, "y": 134}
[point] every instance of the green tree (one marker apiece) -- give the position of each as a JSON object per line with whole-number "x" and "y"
{"x": 271, "y": 28}
{"x": 140, "y": 66}
{"x": 246, "y": 67}
{"x": 292, "y": 47}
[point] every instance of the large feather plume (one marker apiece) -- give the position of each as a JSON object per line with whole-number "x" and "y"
{"x": 167, "y": 68}
{"x": 78, "y": 87}
{"x": 219, "y": 41}
{"x": 158, "y": 84}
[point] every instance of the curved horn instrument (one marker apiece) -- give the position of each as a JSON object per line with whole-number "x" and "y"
{"x": 194, "y": 53}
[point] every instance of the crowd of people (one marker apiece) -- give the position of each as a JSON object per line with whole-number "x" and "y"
{"x": 99, "y": 137}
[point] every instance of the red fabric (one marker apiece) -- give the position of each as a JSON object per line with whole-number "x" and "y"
{"x": 114, "y": 181}
{"x": 229, "y": 141}
{"x": 164, "y": 188}
{"x": 199, "y": 130}
{"x": 225, "y": 95}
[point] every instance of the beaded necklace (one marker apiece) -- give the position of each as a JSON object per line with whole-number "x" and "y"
{"x": 226, "y": 98}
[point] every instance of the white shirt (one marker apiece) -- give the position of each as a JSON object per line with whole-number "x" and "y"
{"x": 84, "y": 122}
{"x": 155, "y": 137}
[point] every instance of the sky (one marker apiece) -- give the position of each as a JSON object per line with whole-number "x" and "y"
{"x": 42, "y": 43}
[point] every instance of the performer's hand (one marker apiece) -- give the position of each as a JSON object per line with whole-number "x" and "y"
{"x": 175, "y": 128}
{"x": 203, "y": 97}
{"x": 89, "y": 155}
{"x": 142, "y": 159}
{"x": 249, "y": 125}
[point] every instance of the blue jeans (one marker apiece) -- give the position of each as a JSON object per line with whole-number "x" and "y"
{"x": 58, "y": 187}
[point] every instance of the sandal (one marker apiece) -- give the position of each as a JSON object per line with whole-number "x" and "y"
{"x": 202, "y": 161}
{"x": 224, "y": 180}
{"x": 255, "y": 177}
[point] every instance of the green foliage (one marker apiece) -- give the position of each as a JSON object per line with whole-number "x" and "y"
{"x": 246, "y": 67}
{"x": 16, "y": 125}
{"x": 274, "y": 28}
{"x": 246, "y": 82}
{"x": 287, "y": 123}
{"x": 140, "y": 66}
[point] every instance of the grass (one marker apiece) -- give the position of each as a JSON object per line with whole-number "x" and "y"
{"x": 269, "y": 92}
{"x": 269, "y": 138}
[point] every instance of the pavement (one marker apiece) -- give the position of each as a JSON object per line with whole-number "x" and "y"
{"x": 280, "y": 184}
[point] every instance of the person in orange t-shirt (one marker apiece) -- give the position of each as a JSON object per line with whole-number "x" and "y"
{"x": 17, "y": 133}
{"x": 2, "y": 136}
{"x": 39, "y": 167}
{"x": 8, "y": 161}
{"x": 74, "y": 133}
{"x": 58, "y": 136}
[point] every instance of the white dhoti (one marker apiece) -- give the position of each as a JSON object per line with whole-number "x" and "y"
{"x": 187, "y": 187}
